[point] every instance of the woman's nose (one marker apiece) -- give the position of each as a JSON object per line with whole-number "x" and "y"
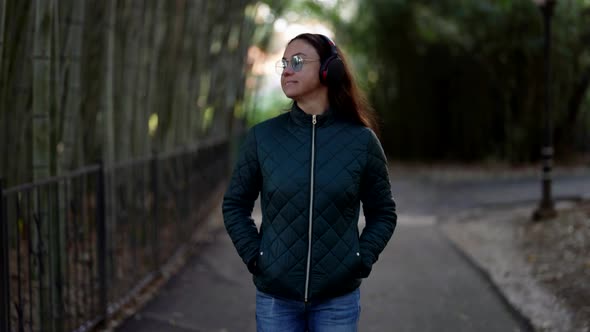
{"x": 288, "y": 70}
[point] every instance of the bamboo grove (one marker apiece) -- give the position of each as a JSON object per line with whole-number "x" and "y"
{"x": 85, "y": 80}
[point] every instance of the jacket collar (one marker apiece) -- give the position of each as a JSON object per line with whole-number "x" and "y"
{"x": 303, "y": 119}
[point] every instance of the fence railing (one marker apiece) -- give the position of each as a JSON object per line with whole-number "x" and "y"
{"x": 75, "y": 248}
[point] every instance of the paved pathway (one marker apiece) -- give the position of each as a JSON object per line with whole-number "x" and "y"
{"x": 421, "y": 282}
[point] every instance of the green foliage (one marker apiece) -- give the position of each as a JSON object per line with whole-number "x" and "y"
{"x": 463, "y": 80}
{"x": 268, "y": 106}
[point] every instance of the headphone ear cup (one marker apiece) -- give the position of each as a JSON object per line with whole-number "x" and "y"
{"x": 332, "y": 71}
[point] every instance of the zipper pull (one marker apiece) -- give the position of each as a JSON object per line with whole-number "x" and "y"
{"x": 314, "y": 120}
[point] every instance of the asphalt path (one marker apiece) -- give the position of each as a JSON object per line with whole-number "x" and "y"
{"x": 420, "y": 283}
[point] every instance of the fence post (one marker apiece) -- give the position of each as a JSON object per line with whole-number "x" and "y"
{"x": 101, "y": 245}
{"x": 4, "y": 265}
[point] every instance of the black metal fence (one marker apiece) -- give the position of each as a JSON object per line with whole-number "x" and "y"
{"x": 75, "y": 248}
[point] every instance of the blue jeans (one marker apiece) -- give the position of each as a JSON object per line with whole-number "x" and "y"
{"x": 340, "y": 314}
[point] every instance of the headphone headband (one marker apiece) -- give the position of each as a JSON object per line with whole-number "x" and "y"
{"x": 333, "y": 64}
{"x": 330, "y": 42}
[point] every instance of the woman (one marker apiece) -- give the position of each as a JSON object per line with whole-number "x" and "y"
{"x": 312, "y": 166}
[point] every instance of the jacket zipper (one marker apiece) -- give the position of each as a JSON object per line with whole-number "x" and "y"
{"x": 313, "y": 121}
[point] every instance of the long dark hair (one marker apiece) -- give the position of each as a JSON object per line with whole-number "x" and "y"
{"x": 345, "y": 98}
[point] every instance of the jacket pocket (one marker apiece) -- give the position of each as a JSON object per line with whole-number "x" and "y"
{"x": 260, "y": 262}
{"x": 362, "y": 270}
{"x": 254, "y": 265}
{"x": 261, "y": 258}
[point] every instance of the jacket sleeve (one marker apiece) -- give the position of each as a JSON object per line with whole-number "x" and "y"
{"x": 378, "y": 206}
{"x": 238, "y": 202}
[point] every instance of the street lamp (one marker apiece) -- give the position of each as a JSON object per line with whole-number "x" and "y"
{"x": 546, "y": 209}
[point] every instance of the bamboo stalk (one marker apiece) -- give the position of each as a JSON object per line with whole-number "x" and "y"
{"x": 54, "y": 206}
{"x": 18, "y": 76}
{"x": 3, "y": 88}
{"x": 108, "y": 151}
{"x": 192, "y": 106}
{"x": 244, "y": 33}
{"x": 153, "y": 35}
{"x": 2, "y": 29}
{"x": 180, "y": 65}
{"x": 42, "y": 123}
{"x": 220, "y": 76}
{"x": 71, "y": 94}
{"x": 109, "y": 133}
{"x": 179, "y": 70}
{"x": 42, "y": 89}
{"x": 144, "y": 57}
{"x": 134, "y": 12}
{"x": 170, "y": 66}
{"x": 203, "y": 68}
{"x": 68, "y": 106}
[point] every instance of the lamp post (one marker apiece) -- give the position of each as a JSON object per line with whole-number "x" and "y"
{"x": 546, "y": 209}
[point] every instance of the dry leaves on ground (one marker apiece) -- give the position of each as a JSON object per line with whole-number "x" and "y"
{"x": 558, "y": 251}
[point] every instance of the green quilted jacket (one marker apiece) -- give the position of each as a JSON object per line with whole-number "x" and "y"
{"x": 312, "y": 174}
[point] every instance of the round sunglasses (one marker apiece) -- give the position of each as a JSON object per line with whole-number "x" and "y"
{"x": 296, "y": 63}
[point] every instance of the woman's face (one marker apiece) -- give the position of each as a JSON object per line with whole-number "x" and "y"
{"x": 298, "y": 85}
